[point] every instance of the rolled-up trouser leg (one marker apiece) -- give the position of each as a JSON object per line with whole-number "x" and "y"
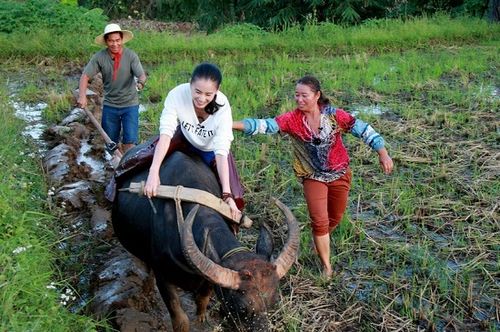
{"x": 326, "y": 202}
{"x": 316, "y": 195}
{"x": 338, "y": 194}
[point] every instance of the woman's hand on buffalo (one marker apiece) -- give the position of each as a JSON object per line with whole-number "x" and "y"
{"x": 235, "y": 213}
{"x": 152, "y": 184}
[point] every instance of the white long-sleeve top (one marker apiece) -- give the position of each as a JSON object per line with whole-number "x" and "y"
{"x": 214, "y": 134}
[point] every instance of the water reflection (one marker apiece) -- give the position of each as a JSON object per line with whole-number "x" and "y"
{"x": 32, "y": 115}
{"x": 370, "y": 109}
{"x": 97, "y": 166}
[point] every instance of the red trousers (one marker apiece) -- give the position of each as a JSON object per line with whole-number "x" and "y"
{"x": 326, "y": 202}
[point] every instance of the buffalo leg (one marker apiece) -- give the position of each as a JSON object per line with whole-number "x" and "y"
{"x": 202, "y": 298}
{"x": 180, "y": 321}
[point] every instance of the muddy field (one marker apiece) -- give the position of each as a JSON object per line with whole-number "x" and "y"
{"x": 113, "y": 284}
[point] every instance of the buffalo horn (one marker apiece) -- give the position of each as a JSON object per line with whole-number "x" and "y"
{"x": 289, "y": 253}
{"x": 217, "y": 274}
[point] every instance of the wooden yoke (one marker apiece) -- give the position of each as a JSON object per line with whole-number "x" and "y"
{"x": 192, "y": 195}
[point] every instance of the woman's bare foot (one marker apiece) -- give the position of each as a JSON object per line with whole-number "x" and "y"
{"x": 327, "y": 272}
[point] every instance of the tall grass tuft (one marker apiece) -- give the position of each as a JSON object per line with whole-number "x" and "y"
{"x": 30, "y": 285}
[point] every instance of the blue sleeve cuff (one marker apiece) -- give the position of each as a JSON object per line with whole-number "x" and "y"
{"x": 378, "y": 143}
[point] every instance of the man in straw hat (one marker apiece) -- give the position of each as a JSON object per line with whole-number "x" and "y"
{"x": 122, "y": 76}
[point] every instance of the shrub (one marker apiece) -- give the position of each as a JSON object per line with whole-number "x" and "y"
{"x": 31, "y": 15}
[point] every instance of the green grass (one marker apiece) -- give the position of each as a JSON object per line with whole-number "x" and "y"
{"x": 439, "y": 129}
{"x": 28, "y": 239}
{"x": 325, "y": 39}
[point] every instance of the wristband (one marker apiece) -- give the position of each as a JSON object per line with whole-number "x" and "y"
{"x": 225, "y": 196}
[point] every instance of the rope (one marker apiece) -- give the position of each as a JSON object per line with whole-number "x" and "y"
{"x": 178, "y": 209}
{"x": 234, "y": 251}
{"x": 149, "y": 198}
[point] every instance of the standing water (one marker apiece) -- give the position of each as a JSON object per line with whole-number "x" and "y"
{"x": 32, "y": 115}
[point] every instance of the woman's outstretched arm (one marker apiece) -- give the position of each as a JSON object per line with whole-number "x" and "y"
{"x": 375, "y": 141}
{"x": 257, "y": 126}
{"x": 238, "y": 125}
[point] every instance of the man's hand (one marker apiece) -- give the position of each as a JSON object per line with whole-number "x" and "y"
{"x": 140, "y": 85}
{"x": 82, "y": 101}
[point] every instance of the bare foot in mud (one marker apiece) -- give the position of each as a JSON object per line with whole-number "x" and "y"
{"x": 327, "y": 273}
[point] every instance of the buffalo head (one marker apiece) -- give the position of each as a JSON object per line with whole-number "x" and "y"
{"x": 246, "y": 283}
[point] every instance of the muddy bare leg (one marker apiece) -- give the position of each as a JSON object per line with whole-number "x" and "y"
{"x": 322, "y": 244}
{"x": 202, "y": 298}
{"x": 180, "y": 321}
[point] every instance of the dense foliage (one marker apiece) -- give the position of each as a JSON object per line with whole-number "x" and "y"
{"x": 31, "y": 15}
{"x": 279, "y": 14}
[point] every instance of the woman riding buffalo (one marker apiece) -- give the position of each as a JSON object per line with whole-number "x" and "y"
{"x": 197, "y": 116}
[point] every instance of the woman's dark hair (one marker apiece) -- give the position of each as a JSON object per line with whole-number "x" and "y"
{"x": 210, "y": 72}
{"x": 313, "y": 83}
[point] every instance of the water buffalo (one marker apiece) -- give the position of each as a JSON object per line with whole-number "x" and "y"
{"x": 205, "y": 254}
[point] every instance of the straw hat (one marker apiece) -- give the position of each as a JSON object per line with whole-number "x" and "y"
{"x": 113, "y": 27}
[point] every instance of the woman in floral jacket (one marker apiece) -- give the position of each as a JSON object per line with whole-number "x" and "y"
{"x": 321, "y": 161}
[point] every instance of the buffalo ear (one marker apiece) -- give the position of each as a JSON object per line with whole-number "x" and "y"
{"x": 265, "y": 244}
